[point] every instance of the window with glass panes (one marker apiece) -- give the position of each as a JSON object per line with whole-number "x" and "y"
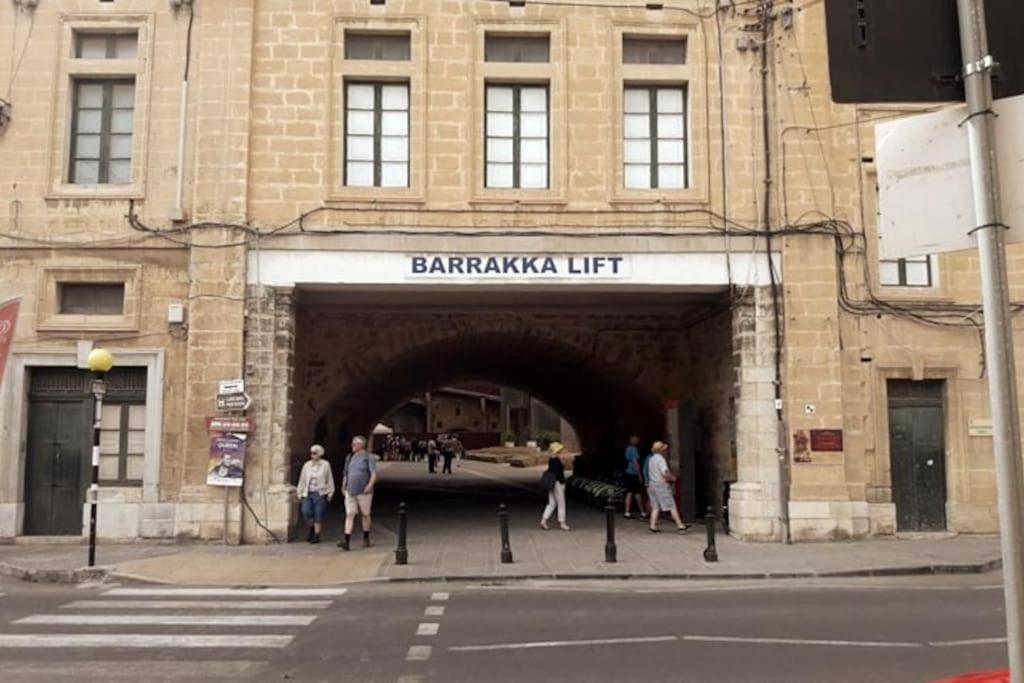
{"x": 654, "y": 137}
{"x": 377, "y": 134}
{"x": 516, "y": 151}
{"x": 101, "y": 131}
{"x": 122, "y": 442}
{"x": 913, "y": 271}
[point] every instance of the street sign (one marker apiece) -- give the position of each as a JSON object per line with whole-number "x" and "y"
{"x": 233, "y": 402}
{"x": 909, "y": 50}
{"x": 925, "y": 198}
{"x": 231, "y": 386}
{"x": 235, "y": 425}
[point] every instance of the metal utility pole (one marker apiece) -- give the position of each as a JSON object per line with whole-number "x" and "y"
{"x": 1002, "y": 383}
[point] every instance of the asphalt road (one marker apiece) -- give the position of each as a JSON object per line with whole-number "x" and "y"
{"x": 869, "y": 630}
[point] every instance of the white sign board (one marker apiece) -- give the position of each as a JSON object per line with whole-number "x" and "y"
{"x": 925, "y": 198}
{"x": 231, "y": 386}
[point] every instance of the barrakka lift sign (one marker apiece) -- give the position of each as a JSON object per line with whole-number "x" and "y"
{"x": 564, "y": 266}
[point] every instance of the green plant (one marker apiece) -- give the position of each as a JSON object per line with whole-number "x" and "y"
{"x": 545, "y": 439}
{"x": 508, "y": 437}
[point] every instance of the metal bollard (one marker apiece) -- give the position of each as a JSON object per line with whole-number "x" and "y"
{"x": 401, "y": 552}
{"x": 506, "y": 549}
{"x": 610, "y": 551}
{"x": 711, "y": 552}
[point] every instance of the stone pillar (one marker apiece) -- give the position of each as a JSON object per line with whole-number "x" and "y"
{"x": 754, "y": 503}
{"x": 269, "y": 378}
{"x": 219, "y": 198}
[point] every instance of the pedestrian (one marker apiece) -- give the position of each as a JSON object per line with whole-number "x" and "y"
{"x": 459, "y": 451}
{"x": 432, "y": 456}
{"x": 315, "y": 490}
{"x": 359, "y": 476}
{"x": 659, "y": 488}
{"x": 553, "y": 480}
{"x": 634, "y": 479}
{"x": 448, "y": 452}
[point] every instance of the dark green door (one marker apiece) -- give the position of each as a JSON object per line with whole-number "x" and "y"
{"x": 918, "y": 455}
{"x": 57, "y": 457}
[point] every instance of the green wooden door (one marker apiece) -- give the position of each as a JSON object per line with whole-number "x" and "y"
{"x": 57, "y": 458}
{"x": 918, "y": 455}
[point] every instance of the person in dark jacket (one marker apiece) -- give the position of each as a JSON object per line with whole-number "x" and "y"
{"x": 556, "y": 494}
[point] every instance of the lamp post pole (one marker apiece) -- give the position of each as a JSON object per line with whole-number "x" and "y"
{"x": 100, "y": 361}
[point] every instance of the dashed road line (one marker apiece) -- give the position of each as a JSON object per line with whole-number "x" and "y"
{"x": 419, "y": 653}
{"x": 434, "y": 611}
{"x": 439, "y": 597}
{"x": 427, "y": 629}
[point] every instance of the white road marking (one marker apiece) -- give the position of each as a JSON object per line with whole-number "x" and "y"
{"x": 136, "y": 640}
{"x": 797, "y": 641}
{"x": 169, "y": 619}
{"x": 434, "y": 611}
{"x": 176, "y": 670}
{"x": 419, "y": 653}
{"x": 199, "y": 604}
{"x": 411, "y": 679}
{"x": 439, "y": 597}
{"x": 228, "y": 592}
{"x": 561, "y": 643}
{"x": 427, "y": 629}
{"x": 975, "y": 641}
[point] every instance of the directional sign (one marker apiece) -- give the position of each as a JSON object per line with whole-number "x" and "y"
{"x": 232, "y": 402}
{"x": 231, "y": 386}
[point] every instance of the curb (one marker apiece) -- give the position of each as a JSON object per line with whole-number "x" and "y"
{"x": 110, "y": 573}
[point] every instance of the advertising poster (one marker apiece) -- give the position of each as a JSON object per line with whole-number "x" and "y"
{"x": 227, "y": 459}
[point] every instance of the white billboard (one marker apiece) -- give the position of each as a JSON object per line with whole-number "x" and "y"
{"x": 925, "y": 198}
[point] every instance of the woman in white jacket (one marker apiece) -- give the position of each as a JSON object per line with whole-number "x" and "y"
{"x": 315, "y": 489}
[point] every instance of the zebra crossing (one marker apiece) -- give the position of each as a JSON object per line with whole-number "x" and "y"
{"x": 233, "y": 625}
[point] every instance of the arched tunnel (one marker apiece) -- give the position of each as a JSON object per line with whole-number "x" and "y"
{"x": 601, "y": 403}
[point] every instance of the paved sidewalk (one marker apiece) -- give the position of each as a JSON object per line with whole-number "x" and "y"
{"x": 453, "y": 534}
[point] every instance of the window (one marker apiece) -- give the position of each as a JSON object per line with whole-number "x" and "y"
{"x": 913, "y": 271}
{"x": 105, "y": 298}
{"x": 101, "y": 131}
{"x": 653, "y": 50}
{"x": 378, "y": 46}
{"x": 654, "y": 132}
{"x": 106, "y": 45}
{"x": 504, "y": 48}
{"x": 377, "y": 134}
{"x": 122, "y": 441}
{"x": 516, "y": 154}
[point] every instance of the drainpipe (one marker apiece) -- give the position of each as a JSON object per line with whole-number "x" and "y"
{"x": 177, "y": 213}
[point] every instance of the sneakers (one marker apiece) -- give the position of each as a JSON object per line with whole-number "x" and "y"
{"x": 628, "y": 515}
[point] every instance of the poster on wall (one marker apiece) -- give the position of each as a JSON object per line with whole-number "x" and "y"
{"x": 227, "y": 459}
{"x": 8, "y": 318}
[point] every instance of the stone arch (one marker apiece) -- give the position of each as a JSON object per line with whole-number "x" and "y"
{"x": 600, "y": 400}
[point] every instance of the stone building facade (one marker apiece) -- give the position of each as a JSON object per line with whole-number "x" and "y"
{"x": 344, "y": 202}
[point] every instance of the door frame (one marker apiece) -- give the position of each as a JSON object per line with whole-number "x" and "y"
{"x": 14, "y": 405}
{"x": 954, "y": 438}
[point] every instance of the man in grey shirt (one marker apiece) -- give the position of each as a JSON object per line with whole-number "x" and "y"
{"x": 359, "y": 475}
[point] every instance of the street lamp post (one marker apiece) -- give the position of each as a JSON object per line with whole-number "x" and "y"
{"x": 99, "y": 361}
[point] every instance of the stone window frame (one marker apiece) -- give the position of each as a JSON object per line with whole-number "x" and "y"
{"x": 70, "y": 68}
{"x": 688, "y": 75}
{"x": 551, "y": 74}
{"x": 50, "y": 319}
{"x": 411, "y": 72}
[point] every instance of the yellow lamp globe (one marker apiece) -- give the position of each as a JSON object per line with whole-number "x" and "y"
{"x": 100, "y": 360}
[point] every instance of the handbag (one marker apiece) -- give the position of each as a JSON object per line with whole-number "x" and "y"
{"x": 548, "y": 480}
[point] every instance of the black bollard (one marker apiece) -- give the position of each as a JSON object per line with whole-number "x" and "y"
{"x": 401, "y": 552}
{"x": 506, "y": 549}
{"x": 610, "y": 551}
{"x": 711, "y": 552}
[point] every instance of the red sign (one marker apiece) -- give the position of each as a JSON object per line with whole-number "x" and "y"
{"x": 827, "y": 440}
{"x": 8, "y": 319}
{"x": 233, "y": 425}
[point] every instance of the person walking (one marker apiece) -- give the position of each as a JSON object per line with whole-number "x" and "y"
{"x": 554, "y": 480}
{"x": 634, "y": 479}
{"x": 448, "y": 452}
{"x": 659, "y": 488}
{"x": 359, "y": 476}
{"x": 432, "y": 456}
{"x": 315, "y": 490}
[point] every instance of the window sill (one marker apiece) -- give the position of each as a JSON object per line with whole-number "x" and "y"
{"x": 100, "y": 192}
{"x": 505, "y": 200}
{"x": 898, "y": 294}
{"x": 376, "y": 195}
{"x": 656, "y": 197}
{"x": 77, "y": 323}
